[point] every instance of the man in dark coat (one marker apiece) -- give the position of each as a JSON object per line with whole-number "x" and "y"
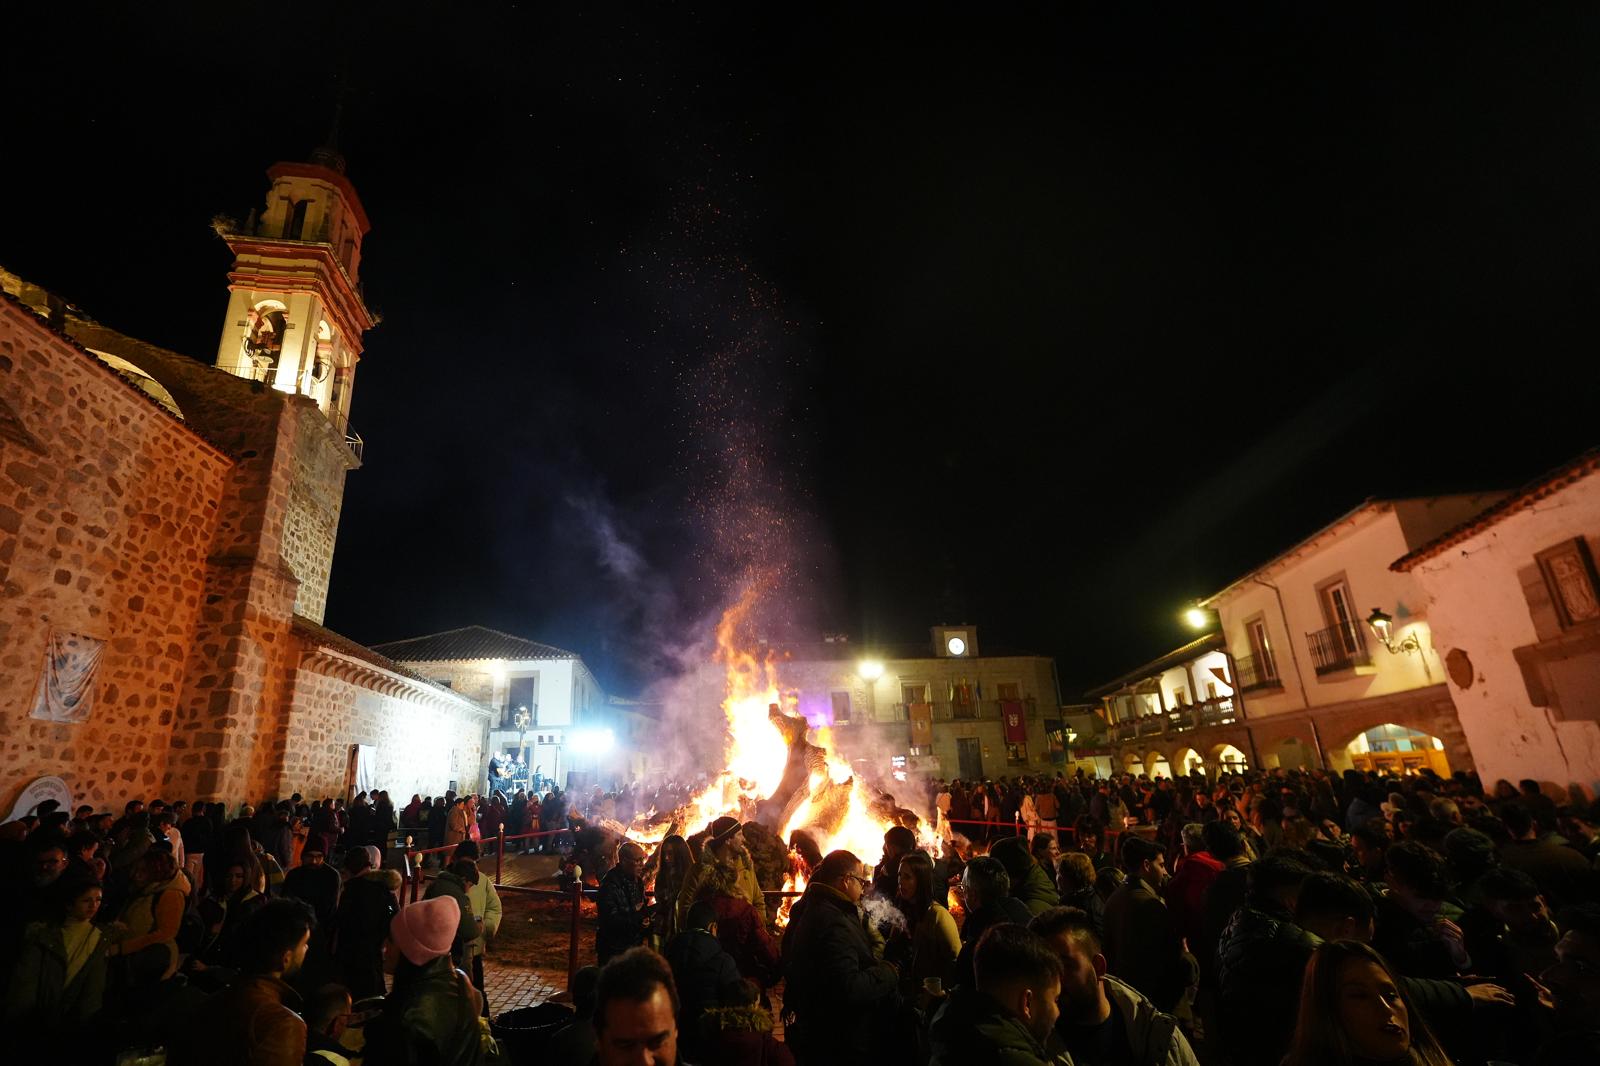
{"x": 986, "y": 894}
{"x": 701, "y": 968}
{"x": 1260, "y": 959}
{"x": 1142, "y": 944}
{"x": 839, "y": 991}
{"x": 623, "y": 915}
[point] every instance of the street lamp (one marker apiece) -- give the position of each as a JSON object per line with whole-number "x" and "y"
{"x": 1197, "y": 617}
{"x": 869, "y": 670}
{"x": 1383, "y": 628}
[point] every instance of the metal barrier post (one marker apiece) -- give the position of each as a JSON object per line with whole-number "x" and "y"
{"x": 572, "y": 946}
{"x": 499, "y": 853}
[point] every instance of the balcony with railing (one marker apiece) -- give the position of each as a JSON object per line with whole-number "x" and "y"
{"x": 1257, "y": 672}
{"x": 1220, "y": 711}
{"x": 959, "y": 711}
{"x": 1339, "y": 647}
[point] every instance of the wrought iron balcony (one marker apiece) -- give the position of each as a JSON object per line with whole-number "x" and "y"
{"x": 1257, "y": 671}
{"x": 1339, "y": 647}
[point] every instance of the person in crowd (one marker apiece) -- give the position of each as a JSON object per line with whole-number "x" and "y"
{"x": 838, "y": 991}
{"x": 1224, "y": 895}
{"x": 1046, "y": 849}
{"x": 145, "y": 934}
{"x": 635, "y": 1014}
{"x": 1353, "y": 1012}
{"x": 741, "y": 928}
{"x": 59, "y": 980}
{"x": 1573, "y": 988}
{"x": 1561, "y": 872}
{"x": 671, "y": 862}
{"x": 898, "y": 841}
{"x": 624, "y": 915}
{"x": 486, "y": 913}
{"x": 575, "y": 1043}
{"x": 1142, "y": 943}
{"x": 26, "y": 892}
{"x": 454, "y": 882}
{"x": 985, "y": 892}
{"x": 1419, "y": 928}
{"x": 1075, "y": 881}
{"x": 327, "y": 1016}
{"x": 225, "y": 912}
{"x": 84, "y": 861}
{"x": 458, "y": 822}
{"x": 1186, "y": 892}
{"x": 361, "y": 924}
{"x": 724, "y": 847}
{"x": 1259, "y": 961}
{"x": 1030, "y": 884}
{"x": 1009, "y": 1012}
{"x": 701, "y": 969}
{"x": 1091, "y": 841}
{"x": 931, "y": 942}
{"x": 1104, "y": 1021}
{"x": 1510, "y": 931}
{"x": 1107, "y": 881}
{"x": 256, "y": 1020}
{"x": 431, "y": 1015}
{"x": 316, "y": 884}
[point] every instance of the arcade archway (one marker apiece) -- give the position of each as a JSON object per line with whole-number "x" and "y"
{"x": 1399, "y": 750}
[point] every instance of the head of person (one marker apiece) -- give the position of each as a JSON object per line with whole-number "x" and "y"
{"x": 328, "y": 1011}
{"x": 585, "y": 983}
{"x": 845, "y": 874}
{"x": 1145, "y": 859}
{"x": 420, "y": 934}
{"x": 48, "y": 860}
{"x": 155, "y": 867}
{"x": 1335, "y": 907}
{"x": 1353, "y": 1010}
{"x": 1575, "y": 977}
{"x": 1074, "y": 873}
{"x": 675, "y": 855}
{"x": 1014, "y": 855}
{"x": 1513, "y": 898}
{"x": 1274, "y": 882}
{"x": 727, "y": 836}
{"x": 1369, "y": 841}
{"x": 702, "y": 916}
{"x": 77, "y": 898}
{"x": 630, "y": 859}
{"x": 1091, "y": 839}
{"x": 914, "y": 880}
{"x": 465, "y": 869}
{"x": 635, "y": 1012}
{"x": 1046, "y": 849}
{"x": 897, "y": 841}
{"x": 1070, "y": 934}
{"x": 1416, "y": 872}
{"x": 357, "y": 862}
{"x": 312, "y": 854}
{"x": 1194, "y": 838}
{"x": 467, "y": 849}
{"x": 1223, "y": 839}
{"x": 1108, "y": 880}
{"x": 276, "y": 936}
{"x": 983, "y": 882}
{"x": 1016, "y": 968}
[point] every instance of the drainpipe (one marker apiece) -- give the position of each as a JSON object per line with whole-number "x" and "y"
{"x": 1294, "y": 657}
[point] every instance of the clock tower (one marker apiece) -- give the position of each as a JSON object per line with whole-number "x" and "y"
{"x": 295, "y": 314}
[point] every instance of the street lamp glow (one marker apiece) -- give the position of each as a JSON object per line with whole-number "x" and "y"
{"x": 1197, "y": 617}
{"x": 869, "y": 669}
{"x": 593, "y": 741}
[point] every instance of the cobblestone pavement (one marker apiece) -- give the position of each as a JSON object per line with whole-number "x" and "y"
{"x": 510, "y": 987}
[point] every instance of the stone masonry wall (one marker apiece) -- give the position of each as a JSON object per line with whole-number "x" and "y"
{"x": 316, "y": 495}
{"x": 106, "y": 518}
{"x": 423, "y": 742}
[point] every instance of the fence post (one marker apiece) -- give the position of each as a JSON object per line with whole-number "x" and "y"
{"x": 499, "y": 853}
{"x": 572, "y": 946}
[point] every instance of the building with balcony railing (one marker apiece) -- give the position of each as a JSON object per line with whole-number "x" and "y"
{"x": 1317, "y": 685}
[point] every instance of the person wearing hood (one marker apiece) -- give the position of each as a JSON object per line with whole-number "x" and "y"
{"x": 724, "y": 847}
{"x": 1010, "y": 1012}
{"x": 360, "y": 925}
{"x": 431, "y": 1015}
{"x": 841, "y": 995}
{"x": 1030, "y": 884}
{"x": 739, "y": 1032}
{"x": 741, "y": 928}
{"x": 1103, "y": 1021}
{"x": 701, "y": 969}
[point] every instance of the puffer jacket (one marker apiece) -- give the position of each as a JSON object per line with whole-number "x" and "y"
{"x": 738, "y": 871}
{"x": 366, "y": 906}
{"x": 972, "y": 1028}
{"x": 1260, "y": 961}
{"x": 428, "y": 1020}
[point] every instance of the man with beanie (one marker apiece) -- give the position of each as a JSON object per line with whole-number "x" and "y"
{"x": 431, "y": 1015}
{"x": 723, "y": 857}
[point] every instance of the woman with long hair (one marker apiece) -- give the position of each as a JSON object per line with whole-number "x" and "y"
{"x": 935, "y": 941}
{"x": 670, "y": 864}
{"x": 1353, "y": 1013}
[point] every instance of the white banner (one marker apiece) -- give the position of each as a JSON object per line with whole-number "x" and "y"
{"x": 66, "y": 688}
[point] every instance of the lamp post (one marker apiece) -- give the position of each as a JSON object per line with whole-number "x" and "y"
{"x": 1383, "y": 628}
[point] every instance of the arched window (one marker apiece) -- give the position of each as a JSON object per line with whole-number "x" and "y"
{"x": 263, "y": 341}
{"x": 295, "y": 224}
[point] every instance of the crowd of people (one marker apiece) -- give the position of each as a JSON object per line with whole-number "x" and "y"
{"x": 1296, "y": 918}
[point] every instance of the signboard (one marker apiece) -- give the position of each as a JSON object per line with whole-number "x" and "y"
{"x": 45, "y": 788}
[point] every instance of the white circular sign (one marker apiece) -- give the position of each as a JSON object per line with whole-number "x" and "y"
{"x": 957, "y": 646}
{"x": 45, "y": 788}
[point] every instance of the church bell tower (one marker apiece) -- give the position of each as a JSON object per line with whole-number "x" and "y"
{"x": 295, "y": 314}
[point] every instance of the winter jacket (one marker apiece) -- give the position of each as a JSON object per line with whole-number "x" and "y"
{"x": 971, "y": 1029}
{"x": 253, "y": 1022}
{"x": 841, "y": 995}
{"x": 1260, "y": 962}
{"x": 1003, "y": 910}
{"x": 935, "y": 946}
{"x": 700, "y": 968}
{"x": 1089, "y": 902}
{"x": 1142, "y": 945}
{"x": 744, "y": 936}
{"x": 1561, "y": 872}
{"x": 622, "y": 915}
{"x": 154, "y": 916}
{"x": 448, "y": 884}
{"x": 739, "y": 870}
{"x": 485, "y": 900}
{"x": 40, "y": 996}
{"x": 1186, "y": 894}
{"x": 1153, "y": 1036}
{"x": 428, "y": 1020}
{"x": 1037, "y": 891}
{"x": 366, "y": 906}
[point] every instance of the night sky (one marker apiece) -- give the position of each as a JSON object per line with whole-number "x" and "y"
{"x": 1037, "y": 319}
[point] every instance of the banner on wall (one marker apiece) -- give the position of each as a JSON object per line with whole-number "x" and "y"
{"x": 1011, "y": 716}
{"x": 66, "y": 687}
{"x": 921, "y": 715}
{"x": 45, "y": 788}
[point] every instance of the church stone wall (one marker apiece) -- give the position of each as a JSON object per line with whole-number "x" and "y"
{"x": 316, "y": 495}
{"x": 108, "y": 507}
{"x": 422, "y": 742}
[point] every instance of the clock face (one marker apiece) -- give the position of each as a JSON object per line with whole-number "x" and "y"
{"x": 956, "y": 646}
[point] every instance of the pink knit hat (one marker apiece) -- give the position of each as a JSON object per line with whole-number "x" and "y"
{"x": 426, "y": 930}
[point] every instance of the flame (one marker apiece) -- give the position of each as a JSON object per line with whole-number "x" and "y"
{"x": 756, "y": 756}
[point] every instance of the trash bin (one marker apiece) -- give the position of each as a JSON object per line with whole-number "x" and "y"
{"x": 524, "y": 1033}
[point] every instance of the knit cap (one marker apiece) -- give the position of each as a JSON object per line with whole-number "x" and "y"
{"x": 424, "y": 931}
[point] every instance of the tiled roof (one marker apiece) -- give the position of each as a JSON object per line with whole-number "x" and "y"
{"x": 467, "y": 644}
{"x": 338, "y": 642}
{"x": 1542, "y": 487}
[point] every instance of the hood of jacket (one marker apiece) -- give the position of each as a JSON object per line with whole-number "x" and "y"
{"x": 389, "y": 879}
{"x": 1151, "y": 1032}
{"x": 972, "y": 1028}
{"x": 750, "y": 1019}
